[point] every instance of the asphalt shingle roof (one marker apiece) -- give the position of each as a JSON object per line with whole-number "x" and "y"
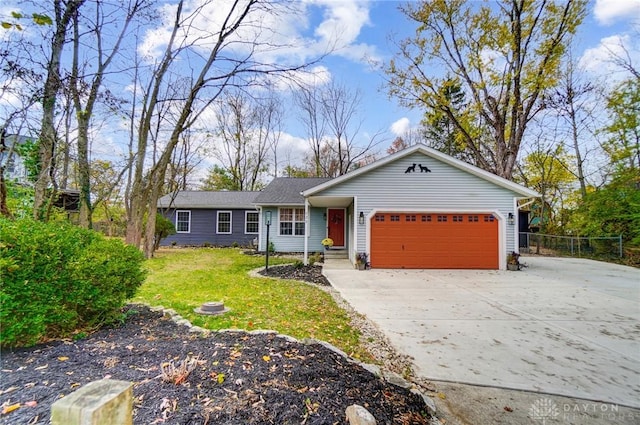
{"x": 286, "y": 190}
{"x": 208, "y": 199}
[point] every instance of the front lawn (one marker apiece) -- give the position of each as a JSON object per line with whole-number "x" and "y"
{"x": 184, "y": 279}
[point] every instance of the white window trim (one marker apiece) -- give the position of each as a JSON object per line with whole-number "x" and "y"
{"x": 218, "y": 222}
{"x": 293, "y": 229}
{"x": 246, "y": 213}
{"x": 189, "y": 221}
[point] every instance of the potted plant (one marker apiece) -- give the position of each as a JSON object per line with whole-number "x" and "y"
{"x": 513, "y": 261}
{"x": 327, "y": 243}
{"x": 362, "y": 260}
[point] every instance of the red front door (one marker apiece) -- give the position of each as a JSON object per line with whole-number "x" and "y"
{"x": 335, "y": 218}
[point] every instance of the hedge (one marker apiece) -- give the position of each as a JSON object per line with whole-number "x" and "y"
{"x": 58, "y": 279}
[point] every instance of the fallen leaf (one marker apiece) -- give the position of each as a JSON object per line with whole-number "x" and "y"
{"x": 441, "y": 396}
{"x": 266, "y": 358}
{"x": 11, "y": 408}
{"x": 42, "y": 367}
{"x": 31, "y": 403}
{"x": 63, "y": 358}
{"x": 508, "y": 409}
{"x": 8, "y": 390}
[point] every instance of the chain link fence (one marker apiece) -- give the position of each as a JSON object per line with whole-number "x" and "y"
{"x": 604, "y": 247}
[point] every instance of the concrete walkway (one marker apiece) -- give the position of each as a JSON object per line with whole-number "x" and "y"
{"x": 561, "y": 326}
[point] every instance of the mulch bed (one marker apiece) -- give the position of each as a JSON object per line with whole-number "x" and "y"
{"x": 307, "y": 273}
{"x": 238, "y": 378}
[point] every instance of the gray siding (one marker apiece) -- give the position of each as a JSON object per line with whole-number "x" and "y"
{"x": 203, "y": 229}
{"x": 445, "y": 188}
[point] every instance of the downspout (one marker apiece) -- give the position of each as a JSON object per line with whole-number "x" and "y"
{"x": 516, "y": 226}
{"x": 307, "y": 230}
{"x": 261, "y": 226}
{"x": 353, "y": 249}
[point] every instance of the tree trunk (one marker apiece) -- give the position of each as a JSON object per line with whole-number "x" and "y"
{"x": 84, "y": 177}
{"x": 4, "y": 208}
{"x": 47, "y": 142}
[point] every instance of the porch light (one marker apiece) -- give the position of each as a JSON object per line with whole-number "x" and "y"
{"x": 361, "y": 218}
{"x": 511, "y": 219}
{"x": 324, "y": 215}
{"x": 267, "y": 218}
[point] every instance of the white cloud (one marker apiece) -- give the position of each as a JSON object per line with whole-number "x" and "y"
{"x": 282, "y": 37}
{"x": 609, "y": 11}
{"x": 600, "y": 60}
{"x": 400, "y": 127}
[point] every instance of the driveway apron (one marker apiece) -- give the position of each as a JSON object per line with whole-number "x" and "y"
{"x": 561, "y": 326}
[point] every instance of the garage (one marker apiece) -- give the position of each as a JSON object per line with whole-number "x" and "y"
{"x": 434, "y": 240}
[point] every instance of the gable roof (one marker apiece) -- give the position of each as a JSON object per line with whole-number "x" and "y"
{"x": 287, "y": 190}
{"x": 424, "y": 149}
{"x": 208, "y": 199}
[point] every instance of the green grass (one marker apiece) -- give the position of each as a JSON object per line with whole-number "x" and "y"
{"x": 183, "y": 279}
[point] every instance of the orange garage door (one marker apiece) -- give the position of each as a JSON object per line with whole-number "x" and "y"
{"x": 434, "y": 241}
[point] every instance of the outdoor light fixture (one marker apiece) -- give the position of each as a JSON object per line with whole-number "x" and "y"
{"x": 324, "y": 215}
{"x": 361, "y": 218}
{"x": 511, "y": 219}
{"x": 267, "y": 222}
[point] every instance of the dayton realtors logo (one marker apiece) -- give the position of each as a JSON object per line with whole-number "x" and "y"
{"x": 544, "y": 409}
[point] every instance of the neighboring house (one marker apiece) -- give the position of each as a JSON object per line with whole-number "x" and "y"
{"x": 14, "y": 167}
{"x": 417, "y": 208}
{"x": 215, "y": 218}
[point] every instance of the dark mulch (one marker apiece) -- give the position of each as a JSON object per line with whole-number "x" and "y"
{"x": 307, "y": 273}
{"x": 240, "y": 378}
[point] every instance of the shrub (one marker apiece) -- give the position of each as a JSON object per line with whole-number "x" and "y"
{"x": 315, "y": 258}
{"x": 57, "y": 279}
{"x": 164, "y": 228}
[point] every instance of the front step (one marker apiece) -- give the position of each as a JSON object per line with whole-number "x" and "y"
{"x": 336, "y": 254}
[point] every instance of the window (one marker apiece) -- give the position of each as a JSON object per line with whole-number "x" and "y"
{"x": 11, "y": 166}
{"x": 410, "y": 217}
{"x": 442, "y": 218}
{"x": 379, "y": 217}
{"x": 473, "y": 218}
{"x": 394, "y": 218}
{"x": 183, "y": 221}
{"x": 292, "y": 221}
{"x": 250, "y": 222}
{"x": 426, "y": 218}
{"x": 489, "y": 218}
{"x": 224, "y": 222}
{"x": 457, "y": 219}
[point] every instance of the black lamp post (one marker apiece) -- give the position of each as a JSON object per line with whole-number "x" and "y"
{"x": 267, "y": 221}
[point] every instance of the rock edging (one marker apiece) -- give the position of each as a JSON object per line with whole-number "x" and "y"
{"x": 354, "y": 416}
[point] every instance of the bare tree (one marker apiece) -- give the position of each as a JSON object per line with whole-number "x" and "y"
{"x": 330, "y": 115}
{"x": 308, "y": 101}
{"x": 247, "y": 131}
{"x": 225, "y": 55}
{"x": 573, "y": 102}
{"x": 85, "y": 89}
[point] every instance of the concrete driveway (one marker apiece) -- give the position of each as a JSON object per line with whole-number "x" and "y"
{"x": 561, "y": 326}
